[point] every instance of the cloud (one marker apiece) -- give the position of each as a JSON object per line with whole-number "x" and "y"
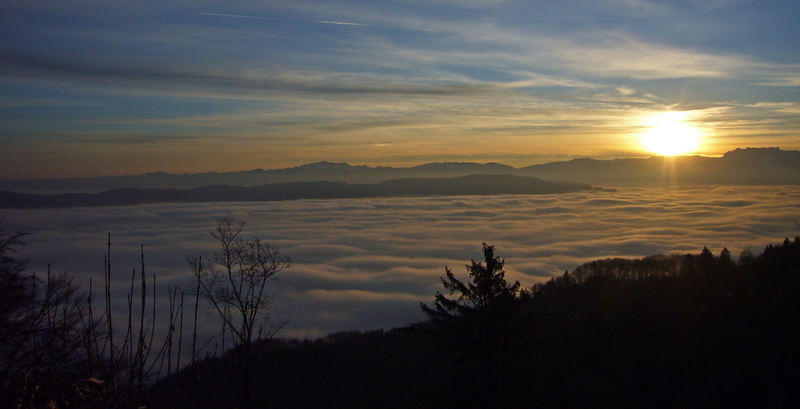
{"x": 641, "y": 7}
{"x": 339, "y": 23}
{"x": 206, "y": 13}
{"x": 787, "y": 80}
{"x": 251, "y": 17}
{"x": 360, "y": 264}
{"x": 718, "y": 4}
{"x": 24, "y": 65}
{"x": 596, "y": 53}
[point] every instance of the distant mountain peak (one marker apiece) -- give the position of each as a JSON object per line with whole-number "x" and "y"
{"x": 773, "y": 150}
{"x": 324, "y": 165}
{"x": 461, "y": 165}
{"x": 769, "y": 154}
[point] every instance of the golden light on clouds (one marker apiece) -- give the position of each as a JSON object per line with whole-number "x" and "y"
{"x": 670, "y": 133}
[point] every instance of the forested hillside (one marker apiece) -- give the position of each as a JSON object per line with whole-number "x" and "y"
{"x": 693, "y": 331}
{"x": 664, "y": 331}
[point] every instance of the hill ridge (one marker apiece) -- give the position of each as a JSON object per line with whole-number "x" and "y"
{"x": 766, "y": 166}
{"x": 479, "y": 184}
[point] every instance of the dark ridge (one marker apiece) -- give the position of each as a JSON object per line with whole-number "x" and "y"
{"x": 463, "y": 185}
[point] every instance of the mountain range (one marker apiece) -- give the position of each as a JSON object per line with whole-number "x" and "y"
{"x": 749, "y": 166}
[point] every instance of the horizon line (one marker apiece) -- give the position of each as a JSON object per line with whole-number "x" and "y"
{"x": 375, "y": 166}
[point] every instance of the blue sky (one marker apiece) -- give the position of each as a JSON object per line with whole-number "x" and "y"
{"x": 107, "y": 87}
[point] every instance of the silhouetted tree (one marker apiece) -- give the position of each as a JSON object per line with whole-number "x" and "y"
{"x": 12, "y": 284}
{"x": 234, "y": 282}
{"x": 705, "y": 262}
{"x": 42, "y": 354}
{"x": 726, "y": 264}
{"x": 473, "y": 322}
{"x": 486, "y": 291}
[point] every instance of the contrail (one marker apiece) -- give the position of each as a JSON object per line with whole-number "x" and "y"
{"x": 205, "y": 13}
{"x": 340, "y": 23}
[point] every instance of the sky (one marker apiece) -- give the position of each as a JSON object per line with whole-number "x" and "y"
{"x": 108, "y": 87}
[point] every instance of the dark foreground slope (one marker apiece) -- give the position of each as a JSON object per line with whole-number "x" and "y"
{"x": 464, "y": 185}
{"x": 689, "y": 331}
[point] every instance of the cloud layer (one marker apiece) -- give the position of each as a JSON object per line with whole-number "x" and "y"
{"x": 360, "y": 264}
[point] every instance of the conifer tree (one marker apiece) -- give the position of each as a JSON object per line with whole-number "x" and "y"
{"x": 486, "y": 291}
{"x": 473, "y": 324}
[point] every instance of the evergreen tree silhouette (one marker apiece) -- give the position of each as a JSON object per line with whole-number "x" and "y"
{"x": 485, "y": 293}
{"x": 473, "y": 325}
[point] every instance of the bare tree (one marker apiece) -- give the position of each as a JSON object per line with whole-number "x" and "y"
{"x": 41, "y": 331}
{"x": 234, "y": 282}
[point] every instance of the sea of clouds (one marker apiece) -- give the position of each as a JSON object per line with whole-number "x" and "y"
{"x": 367, "y": 263}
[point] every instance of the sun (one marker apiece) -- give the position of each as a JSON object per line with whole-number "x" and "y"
{"x": 669, "y": 134}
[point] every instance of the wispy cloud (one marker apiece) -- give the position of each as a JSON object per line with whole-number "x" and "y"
{"x": 644, "y": 7}
{"x": 206, "y": 13}
{"x": 252, "y": 17}
{"x": 339, "y": 23}
{"x": 23, "y": 65}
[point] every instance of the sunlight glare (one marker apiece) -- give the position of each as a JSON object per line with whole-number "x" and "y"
{"x": 670, "y": 134}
